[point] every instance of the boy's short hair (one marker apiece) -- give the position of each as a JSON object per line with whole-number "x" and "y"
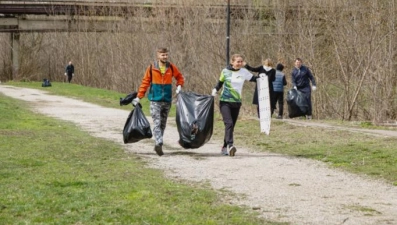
{"x": 162, "y": 50}
{"x": 280, "y": 67}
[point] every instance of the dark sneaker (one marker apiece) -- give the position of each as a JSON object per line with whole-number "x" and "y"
{"x": 224, "y": 151}
{"x": 159, "y": 150}
{"x": 232, "y": 151}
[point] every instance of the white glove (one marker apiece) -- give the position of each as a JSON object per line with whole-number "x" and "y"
{"x": 295, "y": 88}
{"x": 178, "y": 89}
{"x": 213, "y": 92}
{"x": 262, "y": 75}
{"x": 314, "y": 88}
{"x": 73, "y": 74}
{"x": 65, "y": 74}
{"x": 135, "y": 101}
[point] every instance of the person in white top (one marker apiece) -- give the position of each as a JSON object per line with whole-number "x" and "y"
{"x": 232, "y": 79}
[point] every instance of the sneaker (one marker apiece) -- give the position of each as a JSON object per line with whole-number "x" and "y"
{"x": 159, "y": 150}
{"x": 224, "y": 151}
{"x": 279, "y": 117}
{"x": 308, "y": 117}
{"x": 232, "y": 151}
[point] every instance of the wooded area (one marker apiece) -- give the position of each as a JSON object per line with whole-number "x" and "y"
{"x": 349, "y": 45}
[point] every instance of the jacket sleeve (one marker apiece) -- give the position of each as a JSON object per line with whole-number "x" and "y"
{"x": 253, "y": 78}
{"x": 284, "y": 81}
{"x": 311, "y": 77}
{"x": 146, "y": 81}
{"x": 180, "y": 79}
{"x": 219, "y": 85}
{"x": 253, "y": 69}
{"x": 272, "y": 75}
{"x": 293, "y": 78}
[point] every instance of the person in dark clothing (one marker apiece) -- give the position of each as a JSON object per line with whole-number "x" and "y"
{"x": 69, "y": 71}
{"x": 301, "y": 78}
{"x": 267, "y": 69}
{"x": 232, "y": 80}
{"x": 278, "y": 87}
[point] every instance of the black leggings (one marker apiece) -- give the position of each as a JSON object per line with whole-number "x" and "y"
{"x": 70, "y": 78}
{"x": 230, "y": 112}
{"x": 278, "y": 98}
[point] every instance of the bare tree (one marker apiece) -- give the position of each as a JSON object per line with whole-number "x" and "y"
{"x": 349, "y": 45}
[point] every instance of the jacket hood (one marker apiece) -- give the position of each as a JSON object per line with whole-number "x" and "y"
{"x": 230, "y": 67}
{"x": 156, "y": 64}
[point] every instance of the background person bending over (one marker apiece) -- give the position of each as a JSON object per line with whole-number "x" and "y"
{"x": 158, "y": 77}
{"x": 69, "y": 71}
{"x": 301, "y": 77}
{"x": 232, "y": 80}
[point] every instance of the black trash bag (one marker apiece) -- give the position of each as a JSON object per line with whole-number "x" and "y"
{"x": 297, "y": 103}
{"x": 46, "y": 83}
{"x": 194, "y": 119}
{"x": 137, "y": 127}
{"x": 128, "y": 99}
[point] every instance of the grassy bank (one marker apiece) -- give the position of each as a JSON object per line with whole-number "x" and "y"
{"x": 351, "y": 151}
{"x": 354, "y": 152}
{"x": 53, "y": 173}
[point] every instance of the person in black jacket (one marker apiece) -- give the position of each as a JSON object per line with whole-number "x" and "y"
{"x": 278, "y": 86}
{"x": 69, "y": 71}
{"x": 301, "y": 77}
{"x": 267, "y": 69}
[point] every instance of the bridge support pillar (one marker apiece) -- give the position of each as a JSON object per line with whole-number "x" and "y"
{"x": 15, "y": 54}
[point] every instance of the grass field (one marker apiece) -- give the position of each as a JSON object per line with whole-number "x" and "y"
{"x": 353, "y": 152}
{"x": 53, "y": 173}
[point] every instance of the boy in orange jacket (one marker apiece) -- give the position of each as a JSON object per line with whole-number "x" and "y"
{"x": 158, "y": 78}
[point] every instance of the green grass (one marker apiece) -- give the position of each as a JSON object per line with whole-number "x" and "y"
{"x": 53, "y": 173}
{"x": 354, "y": 152}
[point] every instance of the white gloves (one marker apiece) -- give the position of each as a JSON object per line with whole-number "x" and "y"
{"x": 65, "y": 74}
{"x": 262, "y": 75}
{"x": 314, "y": 88}
{"x": 178, "y": 89}
{"x": 213, "y": 92}
{"x": 135, "y": 101}
{"x": 295, "y": 88}
{"x": 73, "y": 74}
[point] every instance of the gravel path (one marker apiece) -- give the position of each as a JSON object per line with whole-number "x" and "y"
{"x": 279, "y": 187}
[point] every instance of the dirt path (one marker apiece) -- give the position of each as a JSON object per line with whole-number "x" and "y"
{"x": 281, "y": 188}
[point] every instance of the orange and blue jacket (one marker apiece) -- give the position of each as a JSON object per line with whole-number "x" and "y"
{"x": 160, "y": 84}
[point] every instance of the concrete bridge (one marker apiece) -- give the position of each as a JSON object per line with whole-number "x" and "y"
{"x": 58, "y": 16}
{"x": 61, "y": 16}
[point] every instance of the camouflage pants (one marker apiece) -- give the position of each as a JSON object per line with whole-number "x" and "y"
{"x": 159, "y": 112}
